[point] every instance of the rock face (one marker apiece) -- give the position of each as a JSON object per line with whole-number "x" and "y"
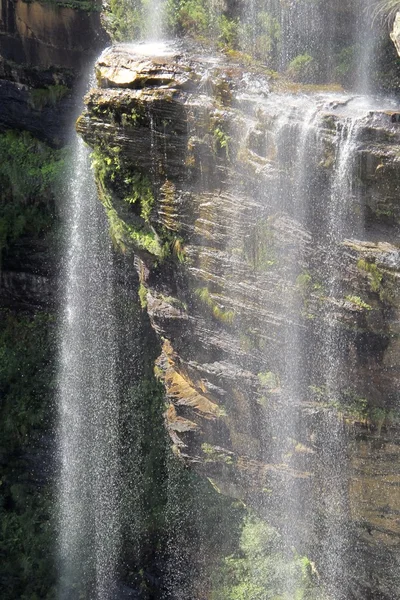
{"x": 46, "y": 35}
{"x": 44, "y": 48}
{"x": 273, "y": 285}
{"x": 395, "y": 33}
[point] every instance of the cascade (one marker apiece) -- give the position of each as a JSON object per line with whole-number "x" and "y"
{"x": 88, "y": 416}
{"x": 268, "y": 269}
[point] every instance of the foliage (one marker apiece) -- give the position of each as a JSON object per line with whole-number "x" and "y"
{"x": 221, "y": 141}
{"x": 125, "y": 20}
{"x": 385, "y": 9}
{"x": 346, "y": 64}
{"x": 358, "y": 302}
{"x": 303, "y": 68}
{"x": 134, "y": 190}
{"x": 30, "y": 173}
{"x": 269, "y": 380}
{"x": 261, "y": 570}
{"x": 141, "y": 193}
{"x": 218, "y": 311}
{"x": 27, "y": 568}
{"x": 375, "y": 275}
{"x": 261, "y": 39}
{"x": 41, "y": 97}
{"x": 228, "y": 32}
{"x": 192, "y": 16}
{"x": 142, "y": 295}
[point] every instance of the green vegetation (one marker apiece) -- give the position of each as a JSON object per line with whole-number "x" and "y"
{"x": 358, "y": 302}
{"x": 221, "y": 141}
{"x": 26, "y": 386}
{"x": 353, "y": 407}
{"x": 218, "y": 311}
{"x": 346, "y": 64}
{"x": 382, "y": 282}
{"x": 374, "y": 274}
{"x": 261, "y": 570}
{"x": 307, "y": 283}
{"x": 124, "y": 20}
{"x": 216, "y": 454}
{"x": 269, "y": 380}
{"x": 30, "y": 173}
{"x": 142, "y": 295}
{"x": 385, "y": 9}
{"x": 41, "y": 97}
{"x": 303, "y": 68}
{"x": 129, "y": 189}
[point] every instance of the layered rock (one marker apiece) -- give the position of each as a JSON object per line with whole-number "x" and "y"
{"x": 44, "y": 48}
{"x": 201, "y": 183}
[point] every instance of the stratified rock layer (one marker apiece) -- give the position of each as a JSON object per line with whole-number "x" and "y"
{"x": 234, "y": 276}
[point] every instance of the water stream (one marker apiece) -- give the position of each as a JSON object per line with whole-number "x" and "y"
{"x": 89, "y": 484}
{"x": 88, "y": 414}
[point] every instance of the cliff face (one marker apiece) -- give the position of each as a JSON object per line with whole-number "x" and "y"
{"x": 44, "y": 48}
{"x": 268, "y": 321}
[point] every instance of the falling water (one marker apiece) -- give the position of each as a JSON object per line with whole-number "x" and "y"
{"x": 154, "y": 20}
{"x": 88, "y": 415}
{"x": 88, "y": 428}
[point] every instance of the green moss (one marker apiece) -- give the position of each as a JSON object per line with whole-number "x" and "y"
{"x": 358, "y": 302}
{"x": 125, "y": 236}
{"x": 41, "y": 97}
{"x": 375, "y": 275}
{"x": 141, "y": 193}
{"x": 30, "y": 176}
{"x": 142, "y": 295}
{"x": 129, "y": 187}
{"x": 220, "y": 313}
{"x": 269, "y": 380}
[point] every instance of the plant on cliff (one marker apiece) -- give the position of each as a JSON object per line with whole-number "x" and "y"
{"x": 30, "y": 173}
{"x": 124, "y": 20}
{"x": 26, "y": 374}
{"x": 303, "y": 68}
{"x": 261, "y": 570}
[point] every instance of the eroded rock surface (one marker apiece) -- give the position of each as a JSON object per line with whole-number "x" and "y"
{"x": 243, "y": 253}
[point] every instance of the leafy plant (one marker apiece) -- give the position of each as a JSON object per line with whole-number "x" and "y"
{"x": 303, "y": 68}
{"x": 30, "y": 175}
{"x": 262, "y": 570}
{"x": 358, "y": 302}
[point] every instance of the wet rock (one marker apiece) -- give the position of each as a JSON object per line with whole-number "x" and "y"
{"x": 395, "y": 33}
{"x": 241, "y": 272}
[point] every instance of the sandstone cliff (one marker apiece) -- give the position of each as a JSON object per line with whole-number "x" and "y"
{"x": 232, "y": 276}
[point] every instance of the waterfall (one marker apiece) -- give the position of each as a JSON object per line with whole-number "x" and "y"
{"x": 88, "y": 413}
{"x": 154, "y": 20}
{"x": 276, "y": 253}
